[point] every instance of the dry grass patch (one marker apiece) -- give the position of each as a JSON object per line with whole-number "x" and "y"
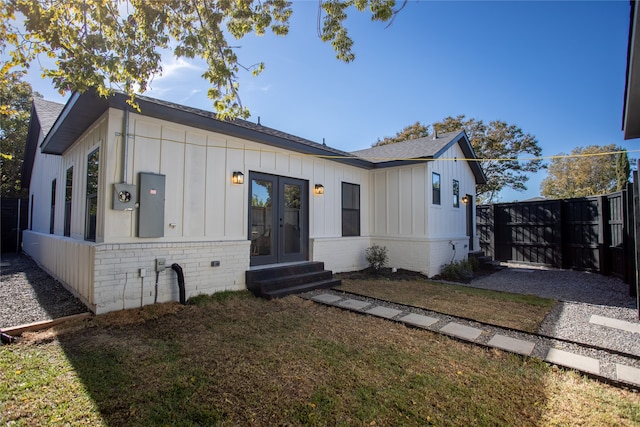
{"x": 523, "y": 312}
{"x": 246, "y": 361}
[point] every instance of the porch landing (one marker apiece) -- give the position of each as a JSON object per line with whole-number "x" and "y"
{"x": 282, "y": 280}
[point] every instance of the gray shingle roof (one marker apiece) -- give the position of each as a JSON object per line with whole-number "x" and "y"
{"x": 47, "y": 112}
{"x": 83, "y": 109}
{"x": 421, "y": 148}
{"x": 247, "y": 125}
{"x": 87, "y": 107}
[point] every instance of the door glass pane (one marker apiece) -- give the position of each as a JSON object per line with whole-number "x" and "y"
{"x": 261, "y": 217}
{"x": 292, "y": 225}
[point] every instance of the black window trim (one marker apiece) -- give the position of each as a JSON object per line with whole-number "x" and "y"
{"x": 436, "y": 192}
{"x": 351, "y": 216}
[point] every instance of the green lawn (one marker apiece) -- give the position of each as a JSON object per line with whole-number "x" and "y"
{"x": 239, "y": 360}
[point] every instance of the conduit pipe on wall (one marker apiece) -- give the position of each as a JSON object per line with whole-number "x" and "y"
{"x": 125, "y": 163}
{"x": 181, "y": 289}
{"x": 179, "y": 273}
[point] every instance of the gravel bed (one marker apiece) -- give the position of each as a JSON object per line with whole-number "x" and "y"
{"x": 563, "y": 285}
{"x": 31, "y": 295}
{"x": 580, "y": 295}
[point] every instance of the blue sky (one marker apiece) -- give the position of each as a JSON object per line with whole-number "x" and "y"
{"x": 555, "y": 69}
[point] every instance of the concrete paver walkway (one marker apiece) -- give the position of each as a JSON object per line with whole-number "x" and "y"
{"x": 626, "y": 370}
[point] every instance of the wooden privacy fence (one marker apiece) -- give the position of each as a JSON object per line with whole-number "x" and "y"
{"x": 590, "y": 233}
{"x": 14, "y": 219}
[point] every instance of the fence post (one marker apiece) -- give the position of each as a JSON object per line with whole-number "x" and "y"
{"x": 629, "y": 240}
{"x": 636, "y": 215}
{"x": 603, "y": 234}
{"x": 18, "y": 226}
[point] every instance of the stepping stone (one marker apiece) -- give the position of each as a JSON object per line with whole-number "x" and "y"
{"x": 385, "y": 312}
{"x": 512, "y": 344}
{"x": 572, "y": 360}
{"x": 614, "y": 323}
{"x": 354, "y": 304}
{"x": 461, "y": 331}
{"x": 327, "y": 298}
{"x": 419, "y": 320}
{"x": 628, "y": 374}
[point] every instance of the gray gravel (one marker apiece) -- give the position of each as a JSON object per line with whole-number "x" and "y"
{"x": 564, "y": 285}
{"x": 580, "y": 295}
{"x": 31, "y": 295}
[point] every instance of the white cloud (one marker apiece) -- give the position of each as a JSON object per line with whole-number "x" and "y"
{"x": 176, "y": 67}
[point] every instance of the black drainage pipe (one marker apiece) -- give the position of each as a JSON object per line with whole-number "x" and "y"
{"x": 178, "y": 270}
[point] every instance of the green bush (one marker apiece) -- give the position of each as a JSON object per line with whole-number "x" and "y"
{"x": 459, "y": 270}
{"x": 474, "y": 263}
{"x": 376, "y": 256}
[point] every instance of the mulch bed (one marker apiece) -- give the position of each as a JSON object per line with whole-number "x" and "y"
{"x": 401, "y": 274}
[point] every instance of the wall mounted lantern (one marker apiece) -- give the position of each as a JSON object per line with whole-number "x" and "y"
{"x": 237, "y": 178}
{"x": 465, "y": 199}
{"x": 318, "y": 189}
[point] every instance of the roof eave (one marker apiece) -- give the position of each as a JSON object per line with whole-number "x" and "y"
{"x": 87, "y": 108}
{"x": 465, "y": 145}
{"x": 31, "y": 145}
{"x": 631, "y": 107}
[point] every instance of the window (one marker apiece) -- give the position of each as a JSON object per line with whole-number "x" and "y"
{"x": 67, "y": 202}
{"x": 435, "y": 183}
{"x": 350, "y": 209}
{"x": 456, "y": 193}
{"x": 92, "y": 195}
{"x": 52, "y": 218}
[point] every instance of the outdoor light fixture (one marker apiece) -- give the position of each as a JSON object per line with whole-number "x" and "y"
{"x": 465, "y": 199}
{"x": 318, "y": 189}
{"x": 237, "y": 178}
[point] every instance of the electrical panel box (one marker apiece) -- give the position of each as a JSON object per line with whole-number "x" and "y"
{"x": 151, "y": 209}
{"x": 161, "y": 264}
{"x": 124, "y": 197}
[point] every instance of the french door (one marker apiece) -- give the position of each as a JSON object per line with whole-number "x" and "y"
{"x": 278, "y": 219}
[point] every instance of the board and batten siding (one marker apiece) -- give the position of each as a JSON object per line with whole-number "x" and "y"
{"x": 48, "y": 167}
{"x": 419, "y": 235}
{"x": 444, "y": 220}
{"x": 69, "y": 259}
{"x": 201, "y": 202}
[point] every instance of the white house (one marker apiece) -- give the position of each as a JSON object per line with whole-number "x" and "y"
{"x": 118, "y": 197}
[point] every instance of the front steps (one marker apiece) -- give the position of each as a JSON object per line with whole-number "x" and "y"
{"x": 485, "y": 262}
{"x": 280, "y": 281}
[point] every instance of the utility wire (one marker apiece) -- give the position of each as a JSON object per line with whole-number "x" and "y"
{"x": 390, "y": 159}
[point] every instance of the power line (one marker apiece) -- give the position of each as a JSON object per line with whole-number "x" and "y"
{"x": 391, "y": 159}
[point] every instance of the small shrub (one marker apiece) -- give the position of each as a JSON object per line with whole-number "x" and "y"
{"x": 458, "y": 270}
{"x": 474, "y": 263}
{"x": 376, "y": 256}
